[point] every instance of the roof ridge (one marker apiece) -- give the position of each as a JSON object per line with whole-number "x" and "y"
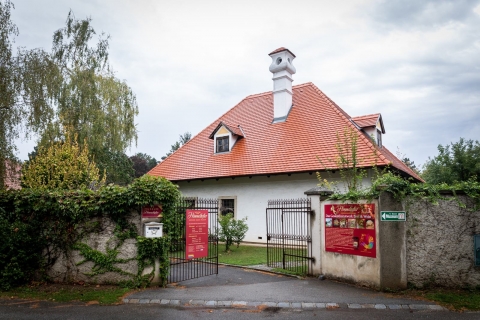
{"x": 367, "y": 115}
{"x": 346, "y": 117}
{"x": 406, "y": 168}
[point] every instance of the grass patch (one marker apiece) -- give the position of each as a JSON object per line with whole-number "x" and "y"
{"x": 456, "y": 299}
{"x": 104, "y": 295}
{"x": 453, "y": 299}
{"x": 243, "y": 255}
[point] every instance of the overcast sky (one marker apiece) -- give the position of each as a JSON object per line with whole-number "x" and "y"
{"x": 415, "y": 62}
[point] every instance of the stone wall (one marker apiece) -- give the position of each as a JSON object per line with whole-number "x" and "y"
{"x": 68, "y": 269}
{"x": 440, "y": 247}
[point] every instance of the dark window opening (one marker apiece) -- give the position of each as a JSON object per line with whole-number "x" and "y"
{"x": 222, "y": 144}
{"x": 379, "y": 139}
{"x": 228, "y": 206}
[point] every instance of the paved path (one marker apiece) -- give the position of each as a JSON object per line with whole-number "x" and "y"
{"x": 245, "y": 288}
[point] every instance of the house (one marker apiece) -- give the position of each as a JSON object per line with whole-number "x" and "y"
{"x": 270, "y": 146}
{"x": 12, "y": 175}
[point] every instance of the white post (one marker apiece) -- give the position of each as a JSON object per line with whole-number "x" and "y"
{"x": 316, "y": 196}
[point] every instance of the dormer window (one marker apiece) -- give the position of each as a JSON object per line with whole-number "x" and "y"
{"x": 225, "y": 136}
{"x": 222, "y": 144}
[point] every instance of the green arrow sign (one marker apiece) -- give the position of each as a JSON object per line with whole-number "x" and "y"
{"x": 393, "y": 216}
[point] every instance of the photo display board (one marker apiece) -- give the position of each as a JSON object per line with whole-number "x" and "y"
{"x": 350, "y": 229}
{"x": 196, "y": 234}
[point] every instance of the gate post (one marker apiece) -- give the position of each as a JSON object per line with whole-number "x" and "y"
{"x": 316, "y": 196}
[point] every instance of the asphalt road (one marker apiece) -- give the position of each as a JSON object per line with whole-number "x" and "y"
{"x": 255, "y": 295}
{"x": 35, "y": 310}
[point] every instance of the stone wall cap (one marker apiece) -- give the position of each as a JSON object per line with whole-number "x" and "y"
{"x": 318, "y": 191}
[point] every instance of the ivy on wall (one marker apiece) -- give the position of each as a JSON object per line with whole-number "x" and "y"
{"x": 36, "y": 227}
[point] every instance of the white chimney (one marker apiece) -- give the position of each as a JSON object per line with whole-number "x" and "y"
{"x": 282, "y": 69}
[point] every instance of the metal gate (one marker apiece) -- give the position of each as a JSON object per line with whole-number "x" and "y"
{"x": 182, "y": 268}
{"x": 289, "y": 240}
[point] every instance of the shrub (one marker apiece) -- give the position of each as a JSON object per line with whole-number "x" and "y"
{"x": 231, "y": 230}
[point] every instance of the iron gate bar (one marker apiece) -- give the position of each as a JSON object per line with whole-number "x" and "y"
{"x": 289, "y": 240}
{"x": 182, "y": 269}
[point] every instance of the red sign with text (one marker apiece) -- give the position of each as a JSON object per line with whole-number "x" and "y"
{"x": 152, "y": 212}
{"x": 197, "y": 234}
{"x": 350, "y": 229}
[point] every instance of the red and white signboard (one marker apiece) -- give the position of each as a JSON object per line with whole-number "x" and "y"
{"x": 152, "y": 212}
{"x": 197, "y": 234}
{"x": 350, "y": 229}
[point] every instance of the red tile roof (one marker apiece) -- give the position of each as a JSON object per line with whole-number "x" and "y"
{"x": 369, "y": 120}
{"x": 310, "y": 131}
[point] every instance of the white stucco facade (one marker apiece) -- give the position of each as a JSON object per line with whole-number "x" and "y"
{"x": 252, "y": 195}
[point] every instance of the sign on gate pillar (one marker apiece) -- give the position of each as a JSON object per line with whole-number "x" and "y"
{"x": 196, "y": 234}
{"x": 350, "y": 229}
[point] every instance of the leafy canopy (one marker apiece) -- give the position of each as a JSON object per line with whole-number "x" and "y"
{"x": 63, "y": 165}
{"x": 142, "y": 163}
{"x": 459, "y": 161}
{"x": 73, "y": 86}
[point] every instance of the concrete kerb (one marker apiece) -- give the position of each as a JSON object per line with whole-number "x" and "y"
{"x": 283, "y": 305}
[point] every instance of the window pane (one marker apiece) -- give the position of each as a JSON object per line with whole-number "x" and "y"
{"x": 222, "y": 144}
{"x": 228, "y": 206}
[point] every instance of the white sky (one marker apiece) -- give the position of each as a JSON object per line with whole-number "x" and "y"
{"x": 415, "y": 62}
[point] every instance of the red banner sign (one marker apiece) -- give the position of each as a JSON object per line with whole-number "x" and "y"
{"x": 152, "y": 212}
{"x": 350, "y": 229}
{"x": 197, "y": 234}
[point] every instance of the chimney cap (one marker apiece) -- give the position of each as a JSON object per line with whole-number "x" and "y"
{"x": 280, "y": 50}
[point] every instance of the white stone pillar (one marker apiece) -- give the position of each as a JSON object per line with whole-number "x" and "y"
{"x": 316, "y": 196}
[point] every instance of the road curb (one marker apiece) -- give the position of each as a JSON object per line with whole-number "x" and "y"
{"x": 284, "y": 304}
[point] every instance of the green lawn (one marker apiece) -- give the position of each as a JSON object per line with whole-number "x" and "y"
{"x": 453, "y": 299}
{"x": 456, "y": 299}
{"x": 104, "y": 295}
{"x": 243, "y": 255}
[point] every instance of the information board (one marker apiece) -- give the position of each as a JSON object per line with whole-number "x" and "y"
{"x": 196, "y": 234}
{"x": 350, "y": 229}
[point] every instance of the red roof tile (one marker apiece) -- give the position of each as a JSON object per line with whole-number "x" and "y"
{"x": 310, "y": 131}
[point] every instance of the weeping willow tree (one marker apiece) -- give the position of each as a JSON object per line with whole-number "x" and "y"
{"x": 73, "y": 86}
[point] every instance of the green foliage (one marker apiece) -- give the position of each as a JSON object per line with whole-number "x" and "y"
{"x": 459, "y": 161}
{"x": 72, "y": 86}
{"x": 346, "y": 161}
{"x": 11, "y": 114}
{"x": 103, "y": 262}
{"x": 142, "y": 163}
{"x": 184, "y": 138}
{"x": 104, "y": 295}
{"x": 231, "y": 230}
{"x": 244, "y": 256}
{"x": 117, "y": 165}
{"x": 20, "y": 251}
{"x": 37, "y": 226}
{"x": 63, "y": 165}
{"x": 150, "y": 249}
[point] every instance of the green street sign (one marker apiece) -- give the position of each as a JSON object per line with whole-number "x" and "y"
{"x": 393, "y": 216}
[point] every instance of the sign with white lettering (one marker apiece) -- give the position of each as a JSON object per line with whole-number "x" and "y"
{"x": 393, "y": 216}
{"x": 197, "y": 234}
